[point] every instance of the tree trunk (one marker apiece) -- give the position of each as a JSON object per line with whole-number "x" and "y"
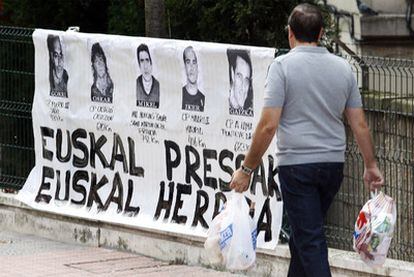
{"x": 155, "y": 18}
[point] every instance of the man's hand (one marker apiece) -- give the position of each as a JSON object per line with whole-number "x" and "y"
{"x": 373, "y": 178}
{"x": 240, "y": 181}
{"x": 263, "y": 135}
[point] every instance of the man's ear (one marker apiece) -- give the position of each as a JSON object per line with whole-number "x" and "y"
{"x": 320, "y": 34}
{"x": 291, "y": 35}
{"x": 291, "y": 38}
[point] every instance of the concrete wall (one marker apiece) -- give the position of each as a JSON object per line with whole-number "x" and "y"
{"x": 345, "y": 24}
{"x": 385, "y": 25}
{"x": 387, "y": 6}
{"x": 384, "y": 35}
{"x": 402, "y": 50}
{"x": 350, "y": 6}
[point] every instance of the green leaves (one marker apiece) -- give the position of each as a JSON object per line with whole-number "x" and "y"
{"x": 250, "y": 22}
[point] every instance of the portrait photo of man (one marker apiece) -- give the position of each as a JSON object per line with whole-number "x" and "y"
{"x": 147, "y": 87}
{"x": 58, "y": 77}
{"x": 240, "y": 74}
{"x": 102, "y": 87}
{"x": 193, "y": 98}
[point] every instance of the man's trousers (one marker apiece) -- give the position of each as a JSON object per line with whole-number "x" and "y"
{"x": 308, "y": 190}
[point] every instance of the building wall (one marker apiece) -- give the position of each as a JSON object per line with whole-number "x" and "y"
{"x": 345, "y": 24}
{"x": 387, "y": 6}
{"x": 404, "y": 50}
{"x": 384, "y": 35}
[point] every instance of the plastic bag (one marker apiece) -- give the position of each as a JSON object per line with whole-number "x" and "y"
{"x": 374, "y": 228}
{"x": 232, "y": 235}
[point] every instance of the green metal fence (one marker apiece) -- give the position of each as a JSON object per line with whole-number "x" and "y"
{"x": 387, "y": 89}
{"x": 387, "y": 92}
{"x": 16, "y": 95}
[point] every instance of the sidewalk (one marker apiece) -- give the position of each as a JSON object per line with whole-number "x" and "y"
{"x": 28, "y": 255}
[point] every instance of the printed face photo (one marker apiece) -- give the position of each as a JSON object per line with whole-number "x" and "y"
{"x": 57, "y": 58}
{"x": 102, "y": 87}
{"x": 147, "y": 86}
{"x": 99, "y": 66}
{"x": 145, "y": 65}
{"x": 240, "y": 74}
{"x": 241, "y": 82}
{"x": 58, "y": 77}
{"x": 192, "y": 98}
{"x": 191, "y": 66}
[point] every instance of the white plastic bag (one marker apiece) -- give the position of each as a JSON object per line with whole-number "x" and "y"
{"x": 374, "y": 228}
{"x": 232, "y": 235}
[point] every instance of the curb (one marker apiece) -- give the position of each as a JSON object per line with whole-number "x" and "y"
{"x": 168, "y": 246}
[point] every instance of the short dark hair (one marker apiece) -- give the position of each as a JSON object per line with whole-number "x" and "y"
{"x": 143, "y": 47}
{"x": 232, "y": 55}
{"x": 50, "y": 42}
{"x": 306, "y": 22}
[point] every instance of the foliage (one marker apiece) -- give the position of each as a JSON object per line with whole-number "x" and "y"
{"x": 259, "y": 22}
{"x": 126, "y": 17}
{"x": 251, "y": 22}
{"x": 90, "y": 15}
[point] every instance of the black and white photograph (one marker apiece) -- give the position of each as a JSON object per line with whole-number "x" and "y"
{"x": 147, "y": 86}
{"x": 102, "y": 87}
{"x": 193, "y": 98}
{"x": 241, "y": 90}
{"x": 58, "y": 77}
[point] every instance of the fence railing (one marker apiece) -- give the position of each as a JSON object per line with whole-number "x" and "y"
{"x": 16, "y": 95}
{"x": 387, "y": 90}
{"x": 388, "y": 96}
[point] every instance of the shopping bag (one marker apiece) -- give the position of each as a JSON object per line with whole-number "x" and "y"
{"x": 231, "y": 239}
{"x": 374, "y": 229}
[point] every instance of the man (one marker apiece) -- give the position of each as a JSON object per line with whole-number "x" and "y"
{"x": 58, "y": 77}
{"x": 148, "y": 88}
{"x": 241, "y": 92}
{"x": 193, "y": 98}
{"x": 307, "y": 92}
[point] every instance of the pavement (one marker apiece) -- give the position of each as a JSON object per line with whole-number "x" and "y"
{"x": 24, "y": 255}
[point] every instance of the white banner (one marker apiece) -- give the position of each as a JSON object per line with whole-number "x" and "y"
{"x": 147, "y": 132}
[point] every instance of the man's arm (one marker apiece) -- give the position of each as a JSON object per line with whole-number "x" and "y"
{"x": 262, "y": 137}
{"x": 373, "y": 178}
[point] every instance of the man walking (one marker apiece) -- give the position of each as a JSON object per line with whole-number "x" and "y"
{"x": 307, "y": 92}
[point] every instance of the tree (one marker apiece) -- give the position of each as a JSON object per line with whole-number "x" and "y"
{"x": 258, "y": 22}
{"x": 126, "y": 17}
{"x": 155, "y": 18}
{"x": 90, "y": 15}
{"x": 251, "y": 22}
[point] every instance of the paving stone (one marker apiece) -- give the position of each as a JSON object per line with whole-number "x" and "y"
{"x": 33, "y": 256}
